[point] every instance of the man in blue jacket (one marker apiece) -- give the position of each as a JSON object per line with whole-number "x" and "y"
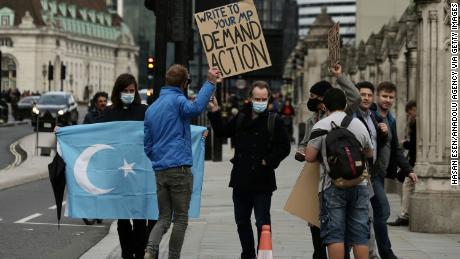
{"x": 167, "y": 142}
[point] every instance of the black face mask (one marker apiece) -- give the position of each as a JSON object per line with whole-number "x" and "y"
{"x": 312, "y": 104}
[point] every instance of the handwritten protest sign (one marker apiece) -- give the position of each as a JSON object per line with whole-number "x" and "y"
{"x": 333, "y": 43}
{"x": 232, "y": 38}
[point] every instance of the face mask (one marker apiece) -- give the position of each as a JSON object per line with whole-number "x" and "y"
{"x": 259, "y": 107}
{"x": 127, "y": 98}
{"x": 312, "y": 104}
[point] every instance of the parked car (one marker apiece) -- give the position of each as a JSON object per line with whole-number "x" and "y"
{"x": 55, "y": 109}
{"x": 4, "y": 110}
{"x": 25, "y": 106}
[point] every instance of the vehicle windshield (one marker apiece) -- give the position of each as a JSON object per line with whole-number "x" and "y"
{"x": 51, "y": 99}
{"x": 28, "y": 100}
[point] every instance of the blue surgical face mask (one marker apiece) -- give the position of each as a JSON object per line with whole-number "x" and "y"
{"x": 259, "y": 107}
{"x": 127, "y": 98}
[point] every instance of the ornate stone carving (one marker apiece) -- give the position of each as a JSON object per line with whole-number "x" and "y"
{"x": 447, "y": 12}
{"x": 433, "y": 16}
{"x": 27, "y": 21}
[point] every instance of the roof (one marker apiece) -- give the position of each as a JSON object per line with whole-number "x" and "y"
{"x": 56, "y": 93}
{"x": 21, "y": 7}
{"x": 35, "y": 9}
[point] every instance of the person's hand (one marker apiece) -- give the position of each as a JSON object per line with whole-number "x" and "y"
{"x": 213, "y": 105}
{"x": 336, "y": 70}
{"x": 214, "y": 75}
{"x": 264, "y": 163}
{"x": 205, "y": 133}
{"x": 383, "y": 127}
{"x": 413, "y": 177}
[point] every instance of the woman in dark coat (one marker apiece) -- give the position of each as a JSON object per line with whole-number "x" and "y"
{"x": 126, "y": 106}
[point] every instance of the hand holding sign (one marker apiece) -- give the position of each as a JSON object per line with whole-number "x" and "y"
{"x": 214, "y": 75}
{"x": 336, "y": 70}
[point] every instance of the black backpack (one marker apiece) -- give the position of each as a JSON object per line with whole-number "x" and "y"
{"x": 344, "y": 153}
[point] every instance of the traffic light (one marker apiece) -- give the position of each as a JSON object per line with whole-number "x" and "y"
{"x": 63, "y": 67}
{"x": 50, "y": 72}
{"x": 150, "y": 65}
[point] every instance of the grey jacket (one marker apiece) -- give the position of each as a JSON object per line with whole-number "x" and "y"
{"x": 353, "y": 101}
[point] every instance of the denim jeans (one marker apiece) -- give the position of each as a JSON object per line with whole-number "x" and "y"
{"x": 381, "y": 209}
{"x": 174, "y": 189}
{"x": 344, "y": 215}
{"x": 244, "y": 202}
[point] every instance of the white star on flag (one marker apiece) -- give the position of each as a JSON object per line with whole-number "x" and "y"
{"x": 127, "y": 168}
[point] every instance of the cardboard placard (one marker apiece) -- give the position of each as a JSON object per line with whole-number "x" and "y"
{"x": 303, "y": 202}
{"x": 333, "y": 43}
{"x": 232, "y": 38}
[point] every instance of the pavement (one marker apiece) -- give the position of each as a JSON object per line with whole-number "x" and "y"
{"x": 214, "y": 234}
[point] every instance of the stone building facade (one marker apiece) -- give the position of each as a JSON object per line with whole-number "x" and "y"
{"x": 93, "y": 43}
{"x": 414, "y": 53}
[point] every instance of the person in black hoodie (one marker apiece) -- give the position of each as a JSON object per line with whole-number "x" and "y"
{"x": 126, "y": 106}
{"x": 258, "y": 152}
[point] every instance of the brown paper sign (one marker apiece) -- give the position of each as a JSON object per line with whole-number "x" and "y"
{"x": 232, "y": 38}
{"x": 333, "y": 43}
{"x": 303, "y": 201}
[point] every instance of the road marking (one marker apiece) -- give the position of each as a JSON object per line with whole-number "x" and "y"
{"x": 24, "y": 220}
{"x": 62, "y": 224}
{"x": 17, "y": 156}
{"x": 55, "y": 207}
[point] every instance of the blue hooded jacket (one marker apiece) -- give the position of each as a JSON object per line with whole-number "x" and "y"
{"x": 167, "y": 139}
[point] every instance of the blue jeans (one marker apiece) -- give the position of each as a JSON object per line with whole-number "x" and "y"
{"x": 244, "y": 202}
{"x": 381, "y": 209}
{"x": 344, "y": 215}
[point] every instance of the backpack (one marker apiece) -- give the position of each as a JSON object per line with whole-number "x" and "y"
{"x": 344, "y": 155}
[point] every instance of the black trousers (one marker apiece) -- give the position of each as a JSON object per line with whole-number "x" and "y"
{"x": 133, "y": 237}
{"x": 244, "y": 202}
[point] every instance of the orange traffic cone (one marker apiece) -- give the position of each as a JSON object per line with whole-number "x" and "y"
{"x": 265, "y": 244}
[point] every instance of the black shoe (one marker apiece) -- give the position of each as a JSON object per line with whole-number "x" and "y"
{"x": 399, "y": 222}
{"x": 89, "y": 221}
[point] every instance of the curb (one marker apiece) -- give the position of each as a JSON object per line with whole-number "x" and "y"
{"x": 108, "y": 247}
{"x": 11, "y": 124}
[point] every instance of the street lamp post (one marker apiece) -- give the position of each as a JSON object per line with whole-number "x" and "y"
{"x": 44, "y": 72}
{"x": 0, "y": 72}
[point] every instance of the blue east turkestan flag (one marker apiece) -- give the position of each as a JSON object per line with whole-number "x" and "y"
{"x": 109, "y": 176}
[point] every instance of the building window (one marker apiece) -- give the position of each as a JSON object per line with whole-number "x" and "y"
{"x": 7, "y": 42}
{"x": 5, "y": 21}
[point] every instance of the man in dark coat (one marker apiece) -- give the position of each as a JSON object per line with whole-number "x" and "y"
{"x": 98, "y": 104}
{"x": 261, "y": 143}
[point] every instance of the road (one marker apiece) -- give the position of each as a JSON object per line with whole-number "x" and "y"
{"x": 28, "y": 226}
{"x": 8, "y": 136}
{"x": 28, "y": 221}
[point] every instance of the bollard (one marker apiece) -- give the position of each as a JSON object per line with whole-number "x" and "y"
{"x": 208, "y": 145}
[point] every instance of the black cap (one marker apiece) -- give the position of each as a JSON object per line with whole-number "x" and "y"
{"x": 320, "y": 88}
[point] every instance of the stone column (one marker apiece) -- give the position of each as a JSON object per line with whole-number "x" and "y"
{"x": 435, "y": 204}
